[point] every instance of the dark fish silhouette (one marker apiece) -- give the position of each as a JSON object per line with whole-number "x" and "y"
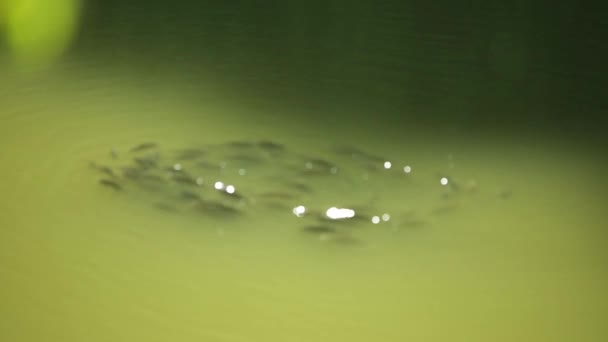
{"x": 319, "y": 229}
{"x": 271, "y": 146}
{"x": 110, "y": 184}
{"x": 143, "y": 147}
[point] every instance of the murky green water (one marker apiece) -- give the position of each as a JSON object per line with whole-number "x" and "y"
{"x": 79, "y": 261}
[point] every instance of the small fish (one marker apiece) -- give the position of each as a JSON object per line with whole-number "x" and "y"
{"x": 184, "y": 179}
{"x": 140, "y": 174}
{"x": 241, "y": 144}
{"x": 233, "y": 195}
{"x": 310, "y": 172}
{"x": 270, "y": 146}
{"x": 146, "y": 163}
{"x": 189, "y": 195}
{"x": 372, "y": 166}
{"x": 143, "y": 147}
{"x": 216, "y": 208}
{"x": 357, "y": 154}
{"x": 301, "y": 187}
{"x": 319, "y": 229}
{"x": 410, "y": 219}
{"x": 208, "y": 165}
{"x": 104, "y": 169}
{"x": 108, "y": 171}
{"x": 321, "y": 163}
{"x": 151, "y": 178}
{"x": 245, "y": 159}
{"x": 317, "y": 166}
{"x": 110, "y": 184}
{"x": 165, "y": 207}
{"x": 190, "y": 154}
{"x": 176, "y": 168}
{"x": 505, "y": 194}
{"x": 131, "y": 172}
{"x": 287, "y": 181}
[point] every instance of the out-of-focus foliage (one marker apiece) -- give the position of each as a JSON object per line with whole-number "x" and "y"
{"x": 37, "y": 32}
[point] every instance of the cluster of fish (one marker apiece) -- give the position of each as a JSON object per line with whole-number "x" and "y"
{"x": 239, "y": 178}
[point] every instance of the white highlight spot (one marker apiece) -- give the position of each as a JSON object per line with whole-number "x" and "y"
{"x": 219, "y": 185}
{"x": 407, "y": 169}
{"x": 386, "y": 217}
{"x": 375, "y": 219}
{"x": 299, "y": 211}
{"x": 444, "y": 181}
{"x": 230, "y": 189}
{"x": 199, "y": 181}
{"x": 242, "y": 172}
{"x": 387, "y": 165}
{"x": 177, "y": 167}
{"x": 339, "y": 213}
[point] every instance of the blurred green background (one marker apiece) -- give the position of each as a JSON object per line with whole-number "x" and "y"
{"x": 500, "y": 63}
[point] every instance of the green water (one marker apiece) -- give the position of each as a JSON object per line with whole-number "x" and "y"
{"x": 80, "y": 263}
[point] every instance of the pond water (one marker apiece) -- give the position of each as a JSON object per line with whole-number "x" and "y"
{"x": 516, "y": 253}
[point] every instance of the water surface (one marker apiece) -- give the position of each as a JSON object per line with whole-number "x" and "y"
{"x": 521, "y": 258}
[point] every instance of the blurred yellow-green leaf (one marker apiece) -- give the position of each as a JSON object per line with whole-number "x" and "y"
{"x": 38, "y": 31}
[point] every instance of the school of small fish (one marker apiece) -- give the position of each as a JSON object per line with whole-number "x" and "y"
{"x": 235, "y": 179}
